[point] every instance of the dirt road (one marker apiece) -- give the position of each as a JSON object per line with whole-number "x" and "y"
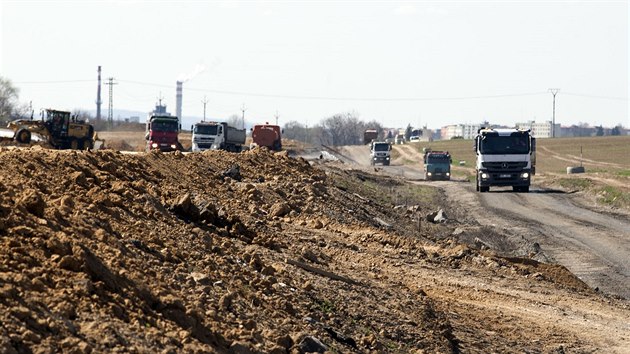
{"x": 593, "y": 244}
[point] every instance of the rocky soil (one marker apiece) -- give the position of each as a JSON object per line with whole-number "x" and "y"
{"x": 262, "y": 253}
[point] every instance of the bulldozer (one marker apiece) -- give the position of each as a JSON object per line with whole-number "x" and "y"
{"x": 59, "y": 128}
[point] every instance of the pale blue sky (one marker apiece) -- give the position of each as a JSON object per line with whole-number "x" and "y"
{"x": 418, "y": 62}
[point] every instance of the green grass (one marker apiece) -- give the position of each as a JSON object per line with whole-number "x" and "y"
{"x": 384, "y": 190}
{"x": 625, "y": 173}
{"x": 326, "y": 306}
{"x": 613, "y": 196}
{"x": 575, "y": 183}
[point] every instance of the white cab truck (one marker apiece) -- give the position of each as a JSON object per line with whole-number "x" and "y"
{"x": 380, "y": 152}
{"x": 217, "y": 136}
{"x": 505, "y": 157}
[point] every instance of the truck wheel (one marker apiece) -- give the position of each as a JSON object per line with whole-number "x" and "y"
{"x": 75, "y": 144}
{"x": 386, "y": 163}
{"x": 484, "y": 189}
{"x": 23, "y": 136}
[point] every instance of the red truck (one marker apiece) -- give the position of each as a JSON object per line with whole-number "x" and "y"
{"x": 161, "y": 133}
{"x": 268, "y": 135}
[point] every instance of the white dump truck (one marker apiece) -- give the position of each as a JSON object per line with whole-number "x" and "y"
{"x": 380, "y": 152}
{"x": 505, "y": 157}
{"x": 217, "y": 136}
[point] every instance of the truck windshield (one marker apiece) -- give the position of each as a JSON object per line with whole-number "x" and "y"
{"x": 161, "y": 126}
{"x": 438, "y": 159}
{"x": 206, "y": 129}
{"x": 498, "y": 145}
{"x": 381, "y": 147}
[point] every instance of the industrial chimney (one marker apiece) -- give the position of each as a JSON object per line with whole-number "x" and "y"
{"x": 98, "y": 96}
{"x": 178, "y": 102}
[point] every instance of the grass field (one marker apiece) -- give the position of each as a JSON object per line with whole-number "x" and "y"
{"x": 605, "y": 159}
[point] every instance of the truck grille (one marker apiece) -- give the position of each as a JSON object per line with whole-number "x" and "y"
{"x": 505, "y": 165}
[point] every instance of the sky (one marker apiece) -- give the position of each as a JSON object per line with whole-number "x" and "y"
{"x": 424, "y": 63}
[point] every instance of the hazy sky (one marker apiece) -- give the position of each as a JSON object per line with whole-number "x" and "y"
{"x": 418, "y": 62}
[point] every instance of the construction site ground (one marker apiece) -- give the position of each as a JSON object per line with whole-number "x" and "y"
{"x": 265, "y": 253}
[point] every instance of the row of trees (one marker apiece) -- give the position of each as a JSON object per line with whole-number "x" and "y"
{"x": 340, "y": 129}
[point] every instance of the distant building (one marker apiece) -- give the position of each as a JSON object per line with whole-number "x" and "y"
{"x": 578, "y": 131}
{"x": 463, "y": 131}
{"x": 540, "y": 130}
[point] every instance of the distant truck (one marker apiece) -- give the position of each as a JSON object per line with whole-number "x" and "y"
{"x": 380, "y": 152}
{"x": 505, "y": 157}
{"x": 161, "y": 134}
{"x": 415, "y": 135}
{"x": 437, "y": 165}
{"x": 217, "y": 136}
{"x": 400, "y": 139}
{"x": 369, "y": 135}
{"x": 267, "y": 135}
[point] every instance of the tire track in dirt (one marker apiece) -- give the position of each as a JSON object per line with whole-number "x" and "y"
{"x": 576, "y": 159}
{"x": 592, "y": 245}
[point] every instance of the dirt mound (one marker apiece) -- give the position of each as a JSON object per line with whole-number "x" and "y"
{"x": 219, "y": 252}
{"x": 103, "y": 251}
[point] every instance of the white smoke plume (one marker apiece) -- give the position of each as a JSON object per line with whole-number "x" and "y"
{"x": 199, "y": 68}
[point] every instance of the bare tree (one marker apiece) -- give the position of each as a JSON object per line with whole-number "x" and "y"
{"x": 8, "y": 99}
{"x": 235, "y": 121}
{"x": 343, "y": 129}
{"x": 295, "y": 130}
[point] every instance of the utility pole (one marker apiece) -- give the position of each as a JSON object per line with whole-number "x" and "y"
{"x": 277, "y": 116}
{"x": 110, "y": 114}
{"x": 205, "y": 101}
{"x": 243, "y": 110}
{"x": 98, "y": 96}
{"x": 554, "y": 92}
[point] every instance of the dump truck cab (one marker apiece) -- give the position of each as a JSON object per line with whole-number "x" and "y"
{"x": 380, "y": 152}
{"x": 162, "y": 132}
{"x": 505, "y": 157}
{"x": 437, "y": 165}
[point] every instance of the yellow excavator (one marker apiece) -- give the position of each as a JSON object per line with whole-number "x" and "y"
{"x": 59, "y": 128}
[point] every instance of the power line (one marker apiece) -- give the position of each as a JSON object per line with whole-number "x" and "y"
{"x": 328, "y": 98}
{"x": 596, "y": 96}
{"x": 51, "y": 82}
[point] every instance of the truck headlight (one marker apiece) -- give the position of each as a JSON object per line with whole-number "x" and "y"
{"x": 484, "y": 175}
{"x": 387, "y": 158}
{"x": 525, "y": 175}
{"x": 448, "y": 173}
{"x": 429, "y": 174}
{"x": 173, "y": 146}
{"x": 154, "y": 145}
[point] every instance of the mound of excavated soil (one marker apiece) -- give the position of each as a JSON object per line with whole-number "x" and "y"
{"x": 218, "y": 252}
{"x": 201, "y": 252}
